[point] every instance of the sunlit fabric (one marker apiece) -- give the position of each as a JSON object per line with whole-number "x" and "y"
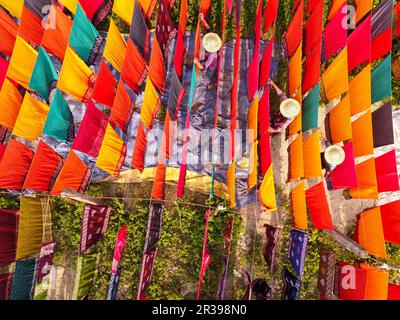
{"x": 381, "y": 80}
{"x": 360, "y": 91}
{"x": 344, "y": 175}
{"x": 11, "y": 103}
{"x": 45, "y": 261}
{"x": 312, "y": 68}
{"x": 310, "y": 109}
{"x": 265, "y": 138}
{"x": 267, "y": 191}
{"x": 9, "y": 235}
{"x": 335, "y": 77}
{"x": 135, "y": 69}
{"x": 265, "y": 71}
{"x": 382, "y": 125}
{"x": 157, "y": 70}
{"x": 74, "y": 175}
{"x": 56, "y": 34}
{"x": 158, "y": 191}
{"x": 85, "y": 275}
{"x": 366, "y": 177}
{"x": 91, "y": 131}
{"x": 296, "y": 168}
{"x": 22, "y": 62}
{"x": 253, "y": 143}
{"x": 335, "y": 7}
{"x": 359, "y": 44}
{"x": 397, "y": 11}
{"x": 8, "y": 33}
{"x": 6, "y": 280}
{"x": 96, "y": 10}
{"x": 31, "y": 118}
{"x": 313, "y": 28}
{"x": 112, "y": 153}
{"x": 369, "y": 232}
{"x": 115, "y": 48}
{"x": 104, "y": 88}
{"x": 381, "y": 45}
{"x": 122, "y": 109}
{"x": 295, "y": 70}
{"x": 376, "y": 287}
{"x": 70, "y": 4}
{"x": 84, "y": 37}
{"x": 30, "y": 231}
{"x": 44, "y": 75}
{"x": 23, "y": 287}
{"x": 382, "y": 17}
{"x": 124, "y": 9}
{"x": 393, "y": 292}
{"x": 139, "y": 33}
{"x": 335, "y": 35}
{"x": 3, "y": 70}
{"x": 58, "y": 122}
{"x": 352, "y": 282}
{"x": 312, "y": 156}
{"x": 386, "y": 172}
{"x": 296, "y": 125}
{"x": 30, "y": 27}
{"x": 363, "y": 140}
{"x": 165, "y": 30}
{"x": 13, "y": 6}
{"x": 391, "y": 221}
{"x": 231, "y": 184}
{"x": 75, "y": 76}
{"x": 139, "y": 150}
{"x": 326, "y": 273}
{"x": 151, "y": 105}
{"x": 45, "y": 166}
{"x": 362, "y": 8}
{"x": 180, "y": 45}
{"x": 176, "y": 94}
{"x": 299, "y": 207}
{"x": 293, "y": 36}
{"x": 340, "y": 121}
{"x": 2, "y": 150}
{"x": 297, "y": 250}
{"x": 318, "y": 206}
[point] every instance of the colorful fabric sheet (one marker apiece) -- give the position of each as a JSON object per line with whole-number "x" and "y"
{"x": 23, "y": 287}
{"x": 139, "y": 33}
{"x": 6, "y": 280}
{"x": 319, "y": 208}
{"x": 366, "y": 177}
{"x": 299, "y": 207}
{"x": 292, "y": 284}
{"x": 96, "y": 10}
{"x": 11, "y": 103}
{"x": 359, "y": 44}
{"x": 293, "y": 36}
{"x": 382, "y": 125}
{"x": 312, "y": 68}
{"x": 391, "y": 221}
{"x": 313, "y": 28}
{"x": 85, "y": 276}
{"x": 326, "y": 273}
{"x": 362, "y": 8}
{"x": 296, "y": 158}
{"x": 335, "y": 77}
{"x": 8, "y": 33}
{"x": 381, "y": 80}
{"x": 340, "y": 121}
{"x": 122, "y": 109}
{"x": 270, "y": 249}
{"x": 135, "y": 69}
{"x": 151, "y": 105}
{"x": 115, "y": 49}
{"x": 104, "y": 88}
{"x": 312, "y": 156}
{"x": 157, "y": 70}
{"x": 297, "y": 250}
{"x": 344, "y": 175}
{"x": 352, "y": 282}
{"x": 360, "y": 91}
{"x": 45, "y": 261}
{"x": 362, "y": 135}
{"x": 335, "y": 35}
{"x": 377, "y": 283}
{"x": 154, "y": 227}
{"x": 119, "y": 246}
{"x": 9, "y": 235}
{"x": 114, "y": 284}
{"x": 310, "y": 109}
{"x": 267, "y": 191}
{"x": 13, "y": 6}
{"x": 386, "y": 172}
{"x": 146, "y": 275}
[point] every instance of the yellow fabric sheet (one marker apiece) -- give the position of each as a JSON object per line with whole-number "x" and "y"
{"x": 336, "y": 78}
{"x": 299, "y": 207}
{"x": 231, "y": 183}
{"x": 22, "y": 62}
{"x": 253, "y": 143}
{"x": 340, "y": 121}
{"x": 110, "y": 152}
{"x": 31, "y": 118}
{"x": 13, "y": 6}
{"x": 297, "y": 123}
{"x": 115, "y": 49}
{"x": 296, "y": 158}
{"x": 376, "y": 287}
{"x": 74, "y": 75}
{"x": 124, "y": 9}
{"x": 30, "y": 230}
{"x": 295, "y": 70}
{"x": 312, "y": 156}
{"x": 70, "y": 4}
{"x": 363, "y": 139}
{"x": 11, "y": 101}
{"x": 360, "y": 91}
{"x": 362, "y": 8}
{"x": 366, "y": 178}
{"x": 151, "y": 104}
{"x": 370, "y": 232}
{"x": 267, "y": 191}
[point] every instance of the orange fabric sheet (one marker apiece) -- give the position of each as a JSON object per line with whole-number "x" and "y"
{"x": 340, "y": 121}
{"x": 296, "y": 158}
{"x": 297, "y": 123}
{"x": 363, "y": 139}
{"x": 312, "y": 156}
{"x": 8, "y": 33}
{"x": 253, "y": 143}
{"x": 360, "y": 91}
{"x": 295, "y": 70}
{"x": 335, "y": 78}
{"x": 151, "y": 105}
{"x": 30, "y": 27}
{"x": 122, "y": 107}
{"x": 156, "y": 67}
{"x": 362, "y": 8}
{"x": 11, "y": 101}
{"x": 139, "y": 150}
{"x": 299, "y": 207}
{"x": 231, "y": 183}
{"x": 377, "y": 284}
{"x": 366, "y": 177}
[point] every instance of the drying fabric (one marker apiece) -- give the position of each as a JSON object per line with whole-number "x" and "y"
{"x": 335, "y": 77}
{"x": 30, "y": 27}
{"x": 151, "y": 105}
{"x": 205, "y": 6}
{"x": 30, "y": 231}
{"x": 45, "y": 261}
{"x": 139, "y": 33}
{"x": 382, "y": 17}
{"x": 253, "y": 144}
{"x": 135, "y": 69}
{"x": 104, "y": 87}
{"x": 119, "y": 246}
{"x": 74, "y": 175}
{"x": 313, "y": 28}
{"x": 291, "y": 289}
{"x": 335, "y": 35}
{"x": 363, "y": 140}
{"x": 115, "y": 49}
{"x": 91, "y": 131}
{"x": 85, "y": 276}
{"x": 231, "y": 184}
{"x": 360, "y": 91}
{"x": 319, "y": 208}
{"x": 205, "y": 260}
{"x": 393, "y": 292}
{"x": 362, "y": 8}
{"x": 377, "y": 283}
{"x": 139, "y": 150}
{"x": 397, "y": 10}
{"x": 2, "y": 150}
{"x": 381, "y": 80}
{"x": 326, "y": 272}
{"x": 312, "y": 68}
{"x": 45, "y": 166}
{"x": 146, "y": 274}
{"x": 124, "y": 9}
{"x": 122, "y": 109}
{"x": 296, "y": 158}
{"x": 359, "y": 44}
{"x": 270, "y": 249}
{"x": 267, "y": 191}
{"x": 36, "y": 6}
{"x": 352, "y": 282}
{"x": 157, "y": 70}
{"x": 293, "y": 34}
{"x": 55, "y": 38}
{"x": 295, "y": 70}
{"x": 310, "y": 109}
{"x": 44, "y": 75}
{"x": 13, "y": 6}
{"x": 344, "y": 175}
{"x": 180, "y": 45}
{"x": 165, "y": 29}
{"x": 382, "y": 125}
{"x": 381, "y": 45}
{"x": 11, "y": 100}
{"x": 336, "y": 6}
{"x": 270, "y": 14}
{"x": 31, "y": 118}
{"x": 70, "y": 5}
{"x": 386, "y": 172}
{"x": 112, "y": 152}
{"x": 96, "y": 10}
{"x": 3, "y": 70}
{"x": 114, "y": 284}
{"x": 154, "y": 227}
{"x": 297, "y": 250}
{"x": 340, "y": 121}
{"x": 391, "y": 221}
{"x": 6, "y": 280}
{"x": 8, "y": 33}
{"x": 94, "y": 225}
{"x": 366, "y": 178}
{"x": 23, "y": 287}
{"x": 265, "y": 138}
{"x": 299, "y": 207}
{"x": 58, "y": 123}
{"x": 265, "y": 71}
{"x": 9, "y": 235}
{"x": 75, "y": 76}
{"x": 15, "y": 165}
{"x": 22, "y": 62}
{"x": 176, "y": 94}
{"x": 312, "y": 156}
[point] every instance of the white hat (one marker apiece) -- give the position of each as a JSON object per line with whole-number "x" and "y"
{"x": 212, "y": 42}
{"x": 290, "y": 108}
{"x": 334, "y": 155}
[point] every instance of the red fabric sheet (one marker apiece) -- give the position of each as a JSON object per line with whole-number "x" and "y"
{"x": 122, "y": 108}
{"x": 394, "y": 292}
{"x": 8, "y": 33}
{"x": 45, "y": 166}
{"x": 139, "y": 151}
{"x": 8, "y": 236}
{"x": 270, "y": 14}
{"x": 359, "y": 45}
{"x": 391, "y": 221}
{"x": 312, "y": 4}
{"x": 157, "y": 70}
{"x": 312, "y": 68}
{"x": 6, "y": 280}
{"x": 397, "y": 10}
{"x": 294, "y": 32}
{"x": 319, "y": 208}
{"x": 265, "y": 139}
{"x": 15, "y": 165}
{"x": 350, "y": 287}
{"x": 30, "y": 28}
{"x": 2, "y": 150}
{"x": 266, "y": 63}
{"x": 3, "y": 70}
{"x": 135, "y": 70}
{"x": 344, "y": 175}
{"x": 104, "y": 88}
{"x": 335, "y": 35}
{"x": 386, "y": 172}
{"x": 381, "y": 45}
{"x": 313, "y": 28}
